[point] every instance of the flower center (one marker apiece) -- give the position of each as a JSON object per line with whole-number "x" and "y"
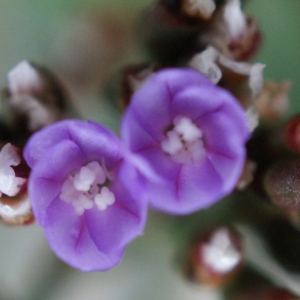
{"x": 85, "y": 188}
{"x": 184, "y": 142}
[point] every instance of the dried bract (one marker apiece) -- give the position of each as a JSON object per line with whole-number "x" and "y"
{"x": 211, "y": 63}
{"x": 244, "y": 80}
{"x": 247, "y": 175}
{"x": 273, "y": 101}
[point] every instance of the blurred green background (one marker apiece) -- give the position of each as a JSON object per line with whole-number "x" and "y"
{"x": 280, "y": 51}
{"x": 67, "y": 37}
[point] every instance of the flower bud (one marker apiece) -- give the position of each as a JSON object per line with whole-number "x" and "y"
{"x": 35, "y": 97}
{"x": 281, "y": 183}
{"x": 15, "y": 207}
{"x": 14, "y": 171}
{"x": 216, "y": 257}
{"x": 232, "y": 32}
{"x": 16, "y": 210}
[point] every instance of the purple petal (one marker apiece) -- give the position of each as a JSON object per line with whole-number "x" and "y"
{"x": 44, "y": 139}
{"x": 162, "y": 164}
{"x": 134, "y": 134}
{"x": 221, "y": 134}
{"x": 144, "y": 108}
{"x": 69, "y": 238}
{"x": 228, "y": 168}
{"x": 181, "y": 78}
{"x": 49, "y": 174}
{"x": 151, "y": 104}
{"x": 121, "y": 222}
{"x": 97, "y": 142}
{"x": 235, "y": 112}
{"x": 195, "y": 101}
{"x": 94, "y": 140}
{"x": 196, "y": 187}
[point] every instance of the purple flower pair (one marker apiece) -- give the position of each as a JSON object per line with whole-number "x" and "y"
{"x": 90, "y": 191}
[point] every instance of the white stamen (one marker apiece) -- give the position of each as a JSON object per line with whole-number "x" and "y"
{"x": 9, "y": 183}
{"x": 81, "y": 204}
{"x": 184, "y": 142}
{"x": 172, "y": 144}
{"x": 197, "y": 150}
{"x": 83, "y": 189}
{"x": 220, "y": 254}
{"x": 68, "y": 191}
{"x": 99, "y": 171}
{"x": 187, "y": 129}
{"x": 105, "y": 198}
{"x": 84, "y": 179}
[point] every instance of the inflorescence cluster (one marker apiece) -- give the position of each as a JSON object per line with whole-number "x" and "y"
{"x": 192, "y": 132}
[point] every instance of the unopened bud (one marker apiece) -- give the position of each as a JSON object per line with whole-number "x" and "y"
{"x": 230, "y": 31}
{"x": 15, "y": 207}
{"x": 35, "y": 96}
{"x": 16, "y": 210}
{"x": 14, "y": 171}
{"x": 282, "y": 183}
{"x": 216, "y": 257}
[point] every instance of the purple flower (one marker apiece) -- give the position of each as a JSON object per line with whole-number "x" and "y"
{"x": 85, "y": 192}
{"x": 193, "y": 134}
